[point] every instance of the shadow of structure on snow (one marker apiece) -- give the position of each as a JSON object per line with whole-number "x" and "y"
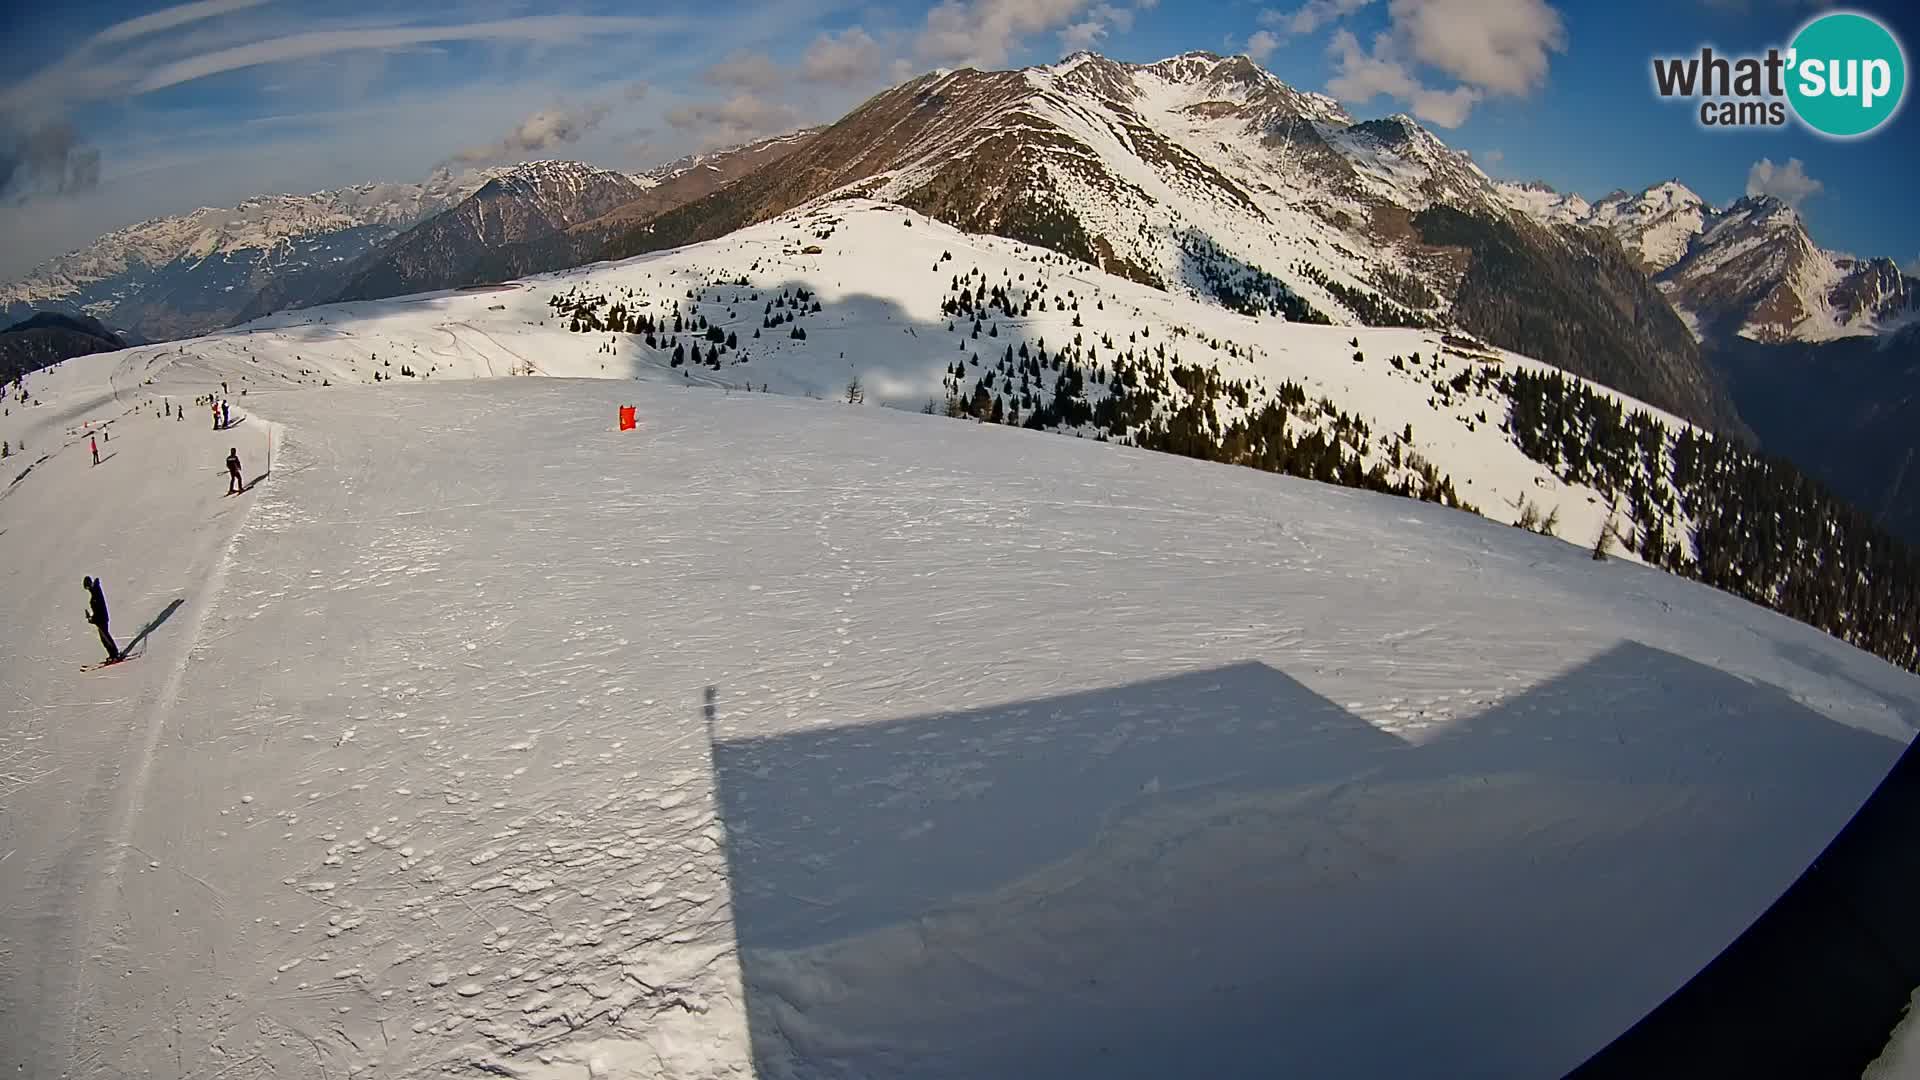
{"x": 1223, "y": 873}
{"x": 154, "y": 623}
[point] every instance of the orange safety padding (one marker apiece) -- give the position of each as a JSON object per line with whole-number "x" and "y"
{"x": 627, "y": 419}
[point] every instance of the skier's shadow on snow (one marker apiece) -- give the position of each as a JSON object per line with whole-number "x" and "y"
{"x": 154, "y": 623}
{"x": 1223, "y": 873}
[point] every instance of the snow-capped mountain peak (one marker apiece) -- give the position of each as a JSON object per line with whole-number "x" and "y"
{"x": 1749, "y": 269}
{"x": 187, "y": 273}
{"x": 1753, "y": 270}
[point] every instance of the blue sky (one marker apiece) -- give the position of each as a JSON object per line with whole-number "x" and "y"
{"x": 128, "y": 110}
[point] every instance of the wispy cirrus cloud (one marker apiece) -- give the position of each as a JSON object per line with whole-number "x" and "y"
{"x": 534, "y": 28}
{"x": 171, "y": 18}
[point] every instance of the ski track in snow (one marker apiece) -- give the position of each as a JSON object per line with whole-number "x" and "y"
{"x": 787, "y": 735}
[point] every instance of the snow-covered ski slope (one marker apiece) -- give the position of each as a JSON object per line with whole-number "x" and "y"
{"x": 795, "y": 738}
{"x": 881, "y": 275}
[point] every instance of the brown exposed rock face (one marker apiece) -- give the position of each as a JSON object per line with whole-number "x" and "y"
{"x": 690, "y": 179}
{"x": 537, "y": 200}
{"x": 1754, "y": 272}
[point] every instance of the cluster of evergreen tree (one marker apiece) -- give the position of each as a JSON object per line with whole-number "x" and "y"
{"x": 1147, "y": 396}
{"x": 1757, "y": 527}
{"x": 1373, "y": 309}
{"x": 1242, "y": 286}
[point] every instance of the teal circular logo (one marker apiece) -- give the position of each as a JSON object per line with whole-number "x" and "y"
{"x": 1848, "y": 74}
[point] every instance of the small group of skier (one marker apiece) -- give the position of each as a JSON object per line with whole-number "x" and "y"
{"x": 236, "y": 485}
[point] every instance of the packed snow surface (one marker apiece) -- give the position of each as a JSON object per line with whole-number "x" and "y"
{"x": 800, "y": 738}
{"x": 811, "y": 739}
{"x": 881, "y": 274}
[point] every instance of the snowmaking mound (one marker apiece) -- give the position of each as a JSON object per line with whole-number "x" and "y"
{"x": 823, "y": 740}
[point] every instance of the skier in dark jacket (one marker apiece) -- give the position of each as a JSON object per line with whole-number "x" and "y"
{"x": 97, "y": 615}
{"x": 235, "y": 485}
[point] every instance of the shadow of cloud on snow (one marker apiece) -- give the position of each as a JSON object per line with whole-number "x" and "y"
{"x": 1222, "y": 872}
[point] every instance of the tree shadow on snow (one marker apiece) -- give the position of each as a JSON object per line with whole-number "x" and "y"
{"x": 1223, "y": 873}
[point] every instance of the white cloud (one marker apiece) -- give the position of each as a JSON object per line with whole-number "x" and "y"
{"x": 984, "y": 33}
{"x": 1361, "y": 76}
{"x": 1082, "y": 35}
{"x": 537, "y": 28}
{"x": 852, "y": 56}
{"x": 1499, "y": 46}
{"x": 1492, "y": 159}
{"x": 1261, "y": 45}
{"x": 743, "y": 70}
{"x": 170, "y": 18}
{"x": 1912, "y": 269}
{"x": 1445, "y": 108}
{"x": 1789, "y": 183}
{"x": 1310, "y": 16}
{"x": 741, "y": 118}
{"x": 1102, "y": 19}
{"x": 539, "y": 133}
{"x": 1485, "y": 47}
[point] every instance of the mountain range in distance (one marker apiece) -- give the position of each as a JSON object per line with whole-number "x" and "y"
{"x": 1200, "y": 174}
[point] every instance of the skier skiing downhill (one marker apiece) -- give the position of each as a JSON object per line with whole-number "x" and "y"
{"x": 97, "y": 615}
{"x": 95, "y": 444}
{"x": 235, "y": 485}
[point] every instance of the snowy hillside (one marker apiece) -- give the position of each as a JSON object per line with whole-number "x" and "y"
{"x": 808, "y": 739}
{"x": 886, "y": 281}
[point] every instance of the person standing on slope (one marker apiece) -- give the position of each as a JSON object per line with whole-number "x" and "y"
{"x": 95, "y": 443}
{"x": 226, "y": 418}
{"x": 235, "y": 486}
{"x": 97, "y": 615}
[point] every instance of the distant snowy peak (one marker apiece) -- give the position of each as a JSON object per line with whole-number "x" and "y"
{"x": 557, "y": 181}
{"x": 1542, "y": 203}
{"x": 530, "y": 202}
{"x": 255, "y": 224}
{"x": 1755, "y": 272}
{"x": 189, "y": 273}
{"x": 1750, "y": 269}
{"x": 1654, "y": 226}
